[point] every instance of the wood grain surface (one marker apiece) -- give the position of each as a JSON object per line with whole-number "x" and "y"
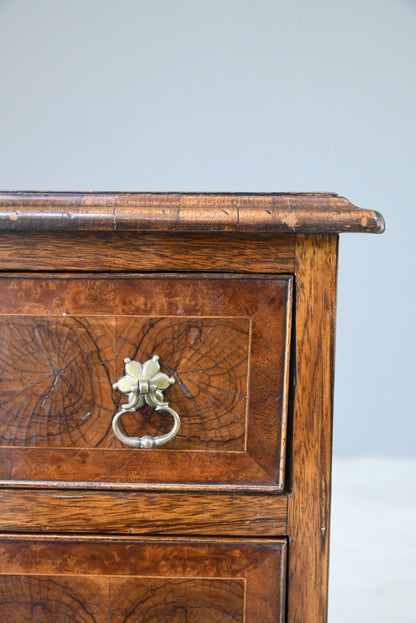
{"x": 152, "y": 600}
{"x": 144, "y": 512}
{"x": 214, "y": 212}
{"x": 74, "y": 599}
{"x": 57, "y": 373}
{"x": 204, "y": 280}
{"x": 53, "y": 599}
{"x": 143, "y": 251}
{"x": 225, "y": 340}
{"x": 145, "y": 578}
{"x": 309, "y": 503}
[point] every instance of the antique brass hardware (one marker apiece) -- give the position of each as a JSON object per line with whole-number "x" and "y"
{"x": 144, "y": 384}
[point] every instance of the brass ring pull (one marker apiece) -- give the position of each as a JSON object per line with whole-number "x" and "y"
{"x": 144, "y": 384}
{"x": 147, "y": 441}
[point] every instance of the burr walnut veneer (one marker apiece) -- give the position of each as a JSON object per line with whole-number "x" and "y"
{"x": 230, "y": 301}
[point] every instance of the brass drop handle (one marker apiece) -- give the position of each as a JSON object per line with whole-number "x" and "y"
{"x": 144, "y": 384}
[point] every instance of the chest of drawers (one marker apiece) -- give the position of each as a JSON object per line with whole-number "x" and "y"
{"x": 166, "y": 377}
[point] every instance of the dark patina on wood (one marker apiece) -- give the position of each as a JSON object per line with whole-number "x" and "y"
{"x": 182, "y": 212}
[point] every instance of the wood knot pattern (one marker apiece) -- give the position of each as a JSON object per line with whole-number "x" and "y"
{"x": 56, "y": 376}
{"x": 54, "y": 380}
{"x": 208, "y": 357}
{"x": 57, "y": 599}
{"x": 190, "y": 600}
{"x": 94, "y": 599}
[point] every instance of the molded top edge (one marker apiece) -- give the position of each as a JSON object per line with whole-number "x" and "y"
{"x": 185, "y": 212}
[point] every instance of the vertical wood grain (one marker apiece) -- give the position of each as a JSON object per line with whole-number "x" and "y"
{"x": 309, "y": 502}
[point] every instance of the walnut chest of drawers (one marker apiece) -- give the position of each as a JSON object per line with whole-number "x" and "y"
{"x": 166, "y": 377}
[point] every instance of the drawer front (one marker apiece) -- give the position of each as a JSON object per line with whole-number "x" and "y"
{"x": 101, "y": 580}
{"x": 224, "y": 340}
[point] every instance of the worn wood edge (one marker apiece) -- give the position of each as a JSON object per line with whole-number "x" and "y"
{"x": 285, "y": 442}
{"x": 143, "y": 486}
{"x": 196, "y": 212}
{"x": 309, "y": 500}
{"x": 279, "y": 543}
{"x": 109, "y": 512}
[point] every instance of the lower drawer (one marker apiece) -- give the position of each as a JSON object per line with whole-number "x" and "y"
{"x": 97, "y": 580}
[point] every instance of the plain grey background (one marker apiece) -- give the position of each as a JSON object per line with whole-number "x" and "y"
{"x": 238, "y": 95}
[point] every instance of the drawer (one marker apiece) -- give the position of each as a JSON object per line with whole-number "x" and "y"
{"x": 223, "y": 339}
{"x": 150, "y": 580}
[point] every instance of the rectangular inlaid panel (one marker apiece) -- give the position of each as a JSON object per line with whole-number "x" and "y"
{"x": 69, "y": 599}
{"x": 223, "y": 339}
{"x": 57, "y": 373}
{"x": 101, "y": 580}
